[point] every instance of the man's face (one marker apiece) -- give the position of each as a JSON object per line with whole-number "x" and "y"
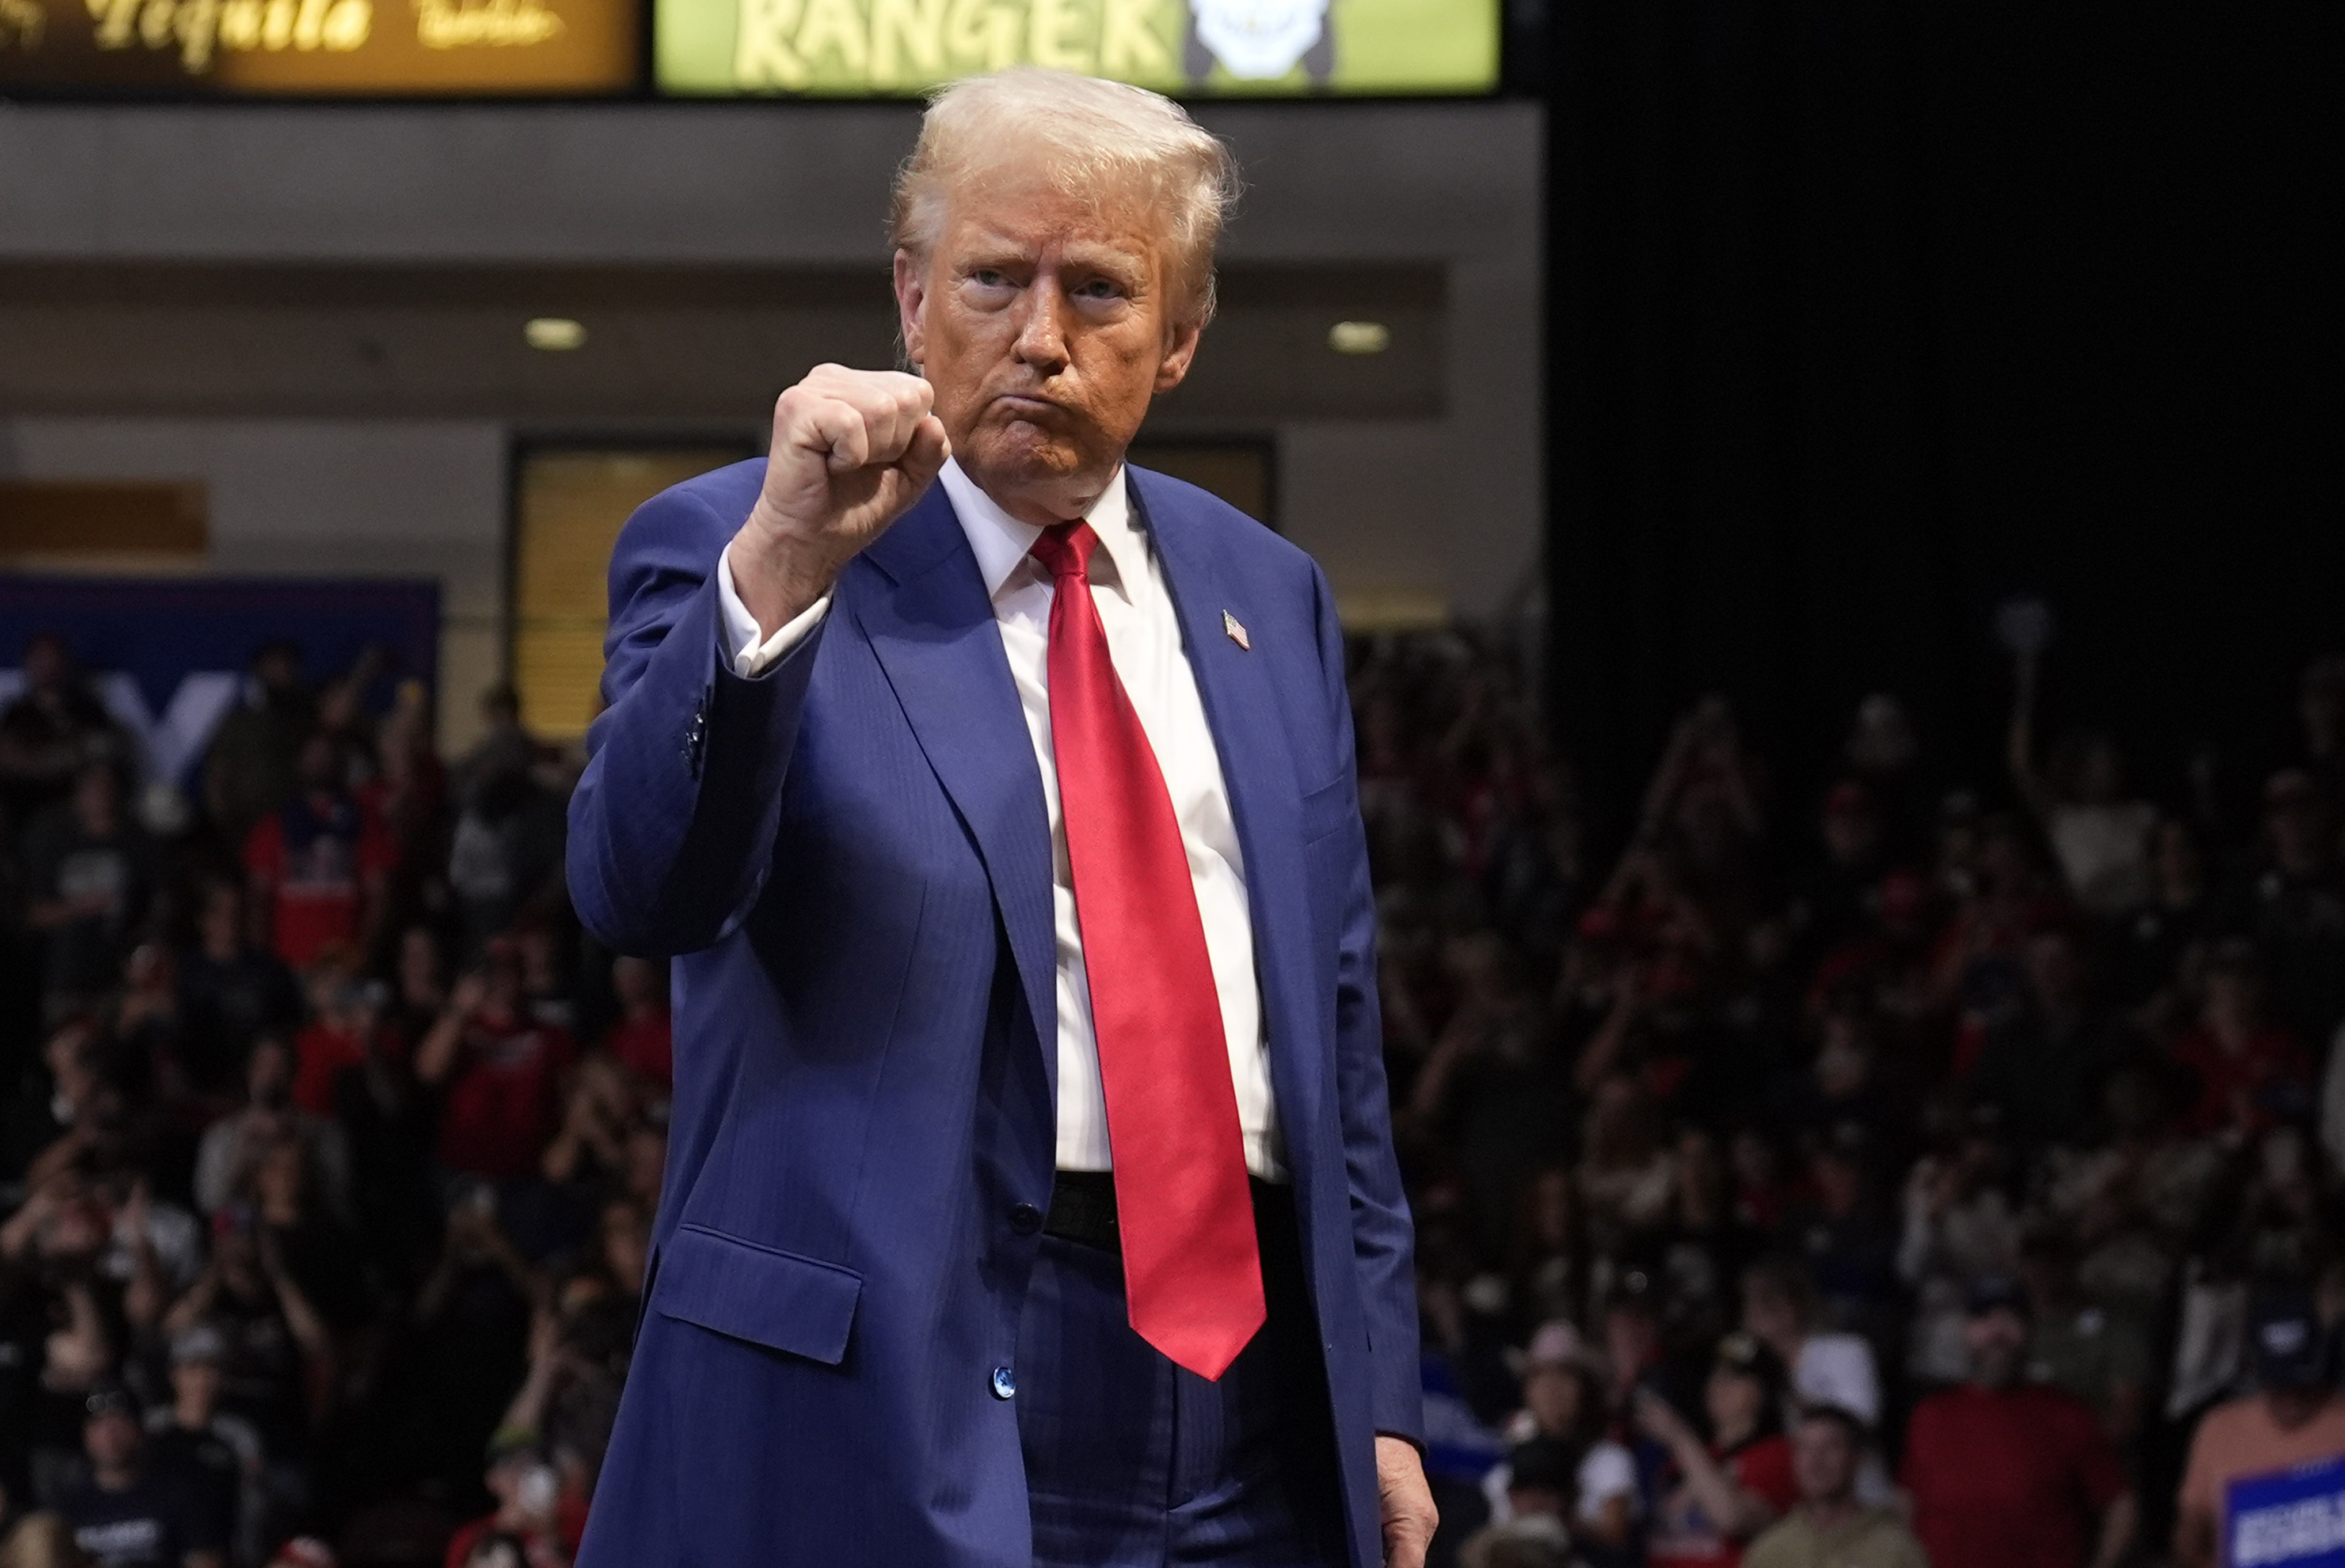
{"x": 1551, "y": 1394}
{"x": 1770, "y": 1315}
{"x": 1996, "y": 1339}
{"x": 196, "y": 1383}
{"x": 1823, "y": 1461}
{"x": 269, "y": 1072}
{"x": 1734, "y": 1401}
{"x": 1045, "y": 323}
{"x": 111, "y": 1439}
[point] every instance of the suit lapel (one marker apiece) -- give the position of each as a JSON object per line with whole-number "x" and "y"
{"x": 1258, "y": 769}
{"x": 933, "y": 630}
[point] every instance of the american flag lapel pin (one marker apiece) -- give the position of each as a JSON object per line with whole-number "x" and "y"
{"x": 1230, "y": 625}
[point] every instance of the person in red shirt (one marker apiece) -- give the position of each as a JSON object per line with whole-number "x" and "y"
{"x": 527, "y": 1516}
{"x": 2007, "y": 1474}
{"x": 2250, "y": 1072}
{"x": 642, "y": 1039}
{"x": 1716, "y": 1496}
{"x": 497, "y": 1070}
{"x": 319, "y": 865}
{"x": 346, "y": 1031}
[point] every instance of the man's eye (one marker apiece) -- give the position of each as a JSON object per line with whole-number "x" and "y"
{"x": 1100, "y": 289}
{"x": 986, "y": 277}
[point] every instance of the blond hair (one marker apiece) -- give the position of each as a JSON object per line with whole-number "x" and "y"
{"x": 1093, "y": 139}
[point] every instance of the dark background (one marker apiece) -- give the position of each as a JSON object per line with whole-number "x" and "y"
{"x": 1866, "y": 316}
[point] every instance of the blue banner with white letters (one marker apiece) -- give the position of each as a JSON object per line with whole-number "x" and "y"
{"x": 168, "y": 655}
{"x": 2289, "y": 1519}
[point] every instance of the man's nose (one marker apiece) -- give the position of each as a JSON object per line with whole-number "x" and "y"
{"x": 1041, "y": 336}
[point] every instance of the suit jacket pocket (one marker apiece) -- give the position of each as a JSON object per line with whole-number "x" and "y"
{"x": 1327, "y": 809}
{"x": 761, "y": 1294}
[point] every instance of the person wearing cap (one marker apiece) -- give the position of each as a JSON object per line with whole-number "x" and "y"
{"x": 129, "y": 1513}
{"x": 2004, "y": 1473}
{"x": 1560, "y": 1432}
{"x": 1830, "y": 1527}
{"x": 1715, "y": 1496}
{"x": 217, "y": 1451}
{"x": 2296, "y": 1414}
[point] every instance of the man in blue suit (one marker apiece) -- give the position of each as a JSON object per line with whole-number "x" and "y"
{"x": 1030, "y": 1195}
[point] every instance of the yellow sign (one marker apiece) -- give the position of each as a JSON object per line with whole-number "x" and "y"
{"x": 882, "y": 47}
{"x": 321, "y": 47}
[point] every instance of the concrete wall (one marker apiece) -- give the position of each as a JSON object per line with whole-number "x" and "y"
{"x": 1447, "y": 506}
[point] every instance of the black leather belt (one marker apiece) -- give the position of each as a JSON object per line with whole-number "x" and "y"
{"x": 1083, "y": 1207}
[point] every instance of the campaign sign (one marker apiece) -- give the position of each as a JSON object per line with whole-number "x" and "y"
{"x": 168, "y": 655}
{"x": 2290, "y": 1518}
{"x": 317, "y": 49}
{"x": 898, "y": 48}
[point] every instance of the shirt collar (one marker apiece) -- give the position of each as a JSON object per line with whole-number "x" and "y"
{"x": 1001, "y": 541}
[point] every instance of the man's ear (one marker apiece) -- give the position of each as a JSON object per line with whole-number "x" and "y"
{"x": 912, "y": 298}
{"x": 1174, "y": 368}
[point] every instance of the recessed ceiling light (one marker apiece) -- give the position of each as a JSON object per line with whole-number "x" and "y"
{"x": 554, "y": 334}
{"x": 1359, "y": 337}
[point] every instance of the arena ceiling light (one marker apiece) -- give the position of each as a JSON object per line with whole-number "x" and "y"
{"x": 554, "y": 334}
{"x": 1359, "y": 337}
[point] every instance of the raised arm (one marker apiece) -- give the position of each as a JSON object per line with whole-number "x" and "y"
{"x": 672, "y": 826}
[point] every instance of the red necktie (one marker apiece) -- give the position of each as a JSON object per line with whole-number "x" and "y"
{"x": 1192, "y": 1273}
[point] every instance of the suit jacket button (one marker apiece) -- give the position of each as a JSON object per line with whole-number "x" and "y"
{"x": 1005, "y": 1383}
{"x": 1025, "y": 1218}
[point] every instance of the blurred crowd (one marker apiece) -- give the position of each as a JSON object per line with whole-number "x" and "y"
{"x": 1942, "y": 1169}
{"x": 1944, "y": 1165}
{"x": 329, "y": 1146}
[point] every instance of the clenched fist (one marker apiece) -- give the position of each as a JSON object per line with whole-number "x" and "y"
{"x": 852, "y": 451}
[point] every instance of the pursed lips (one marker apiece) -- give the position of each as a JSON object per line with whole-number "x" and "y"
{"x": 1026, "y": 405}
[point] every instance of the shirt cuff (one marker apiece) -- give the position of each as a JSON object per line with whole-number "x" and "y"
{"x": 751, "y": 654}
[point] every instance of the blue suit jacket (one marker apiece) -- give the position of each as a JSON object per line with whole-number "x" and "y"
{"x": 849, "y": 860}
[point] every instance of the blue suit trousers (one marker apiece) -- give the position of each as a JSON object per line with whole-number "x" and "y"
{"x": 1134, "y": 1462}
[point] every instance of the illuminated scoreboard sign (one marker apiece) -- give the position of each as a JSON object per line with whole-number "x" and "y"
{"x": 850, "y": 48}
{"x": 321, "y": 47}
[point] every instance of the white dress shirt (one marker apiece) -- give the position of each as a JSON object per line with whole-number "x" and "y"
{"x": 1143, "y": 637}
